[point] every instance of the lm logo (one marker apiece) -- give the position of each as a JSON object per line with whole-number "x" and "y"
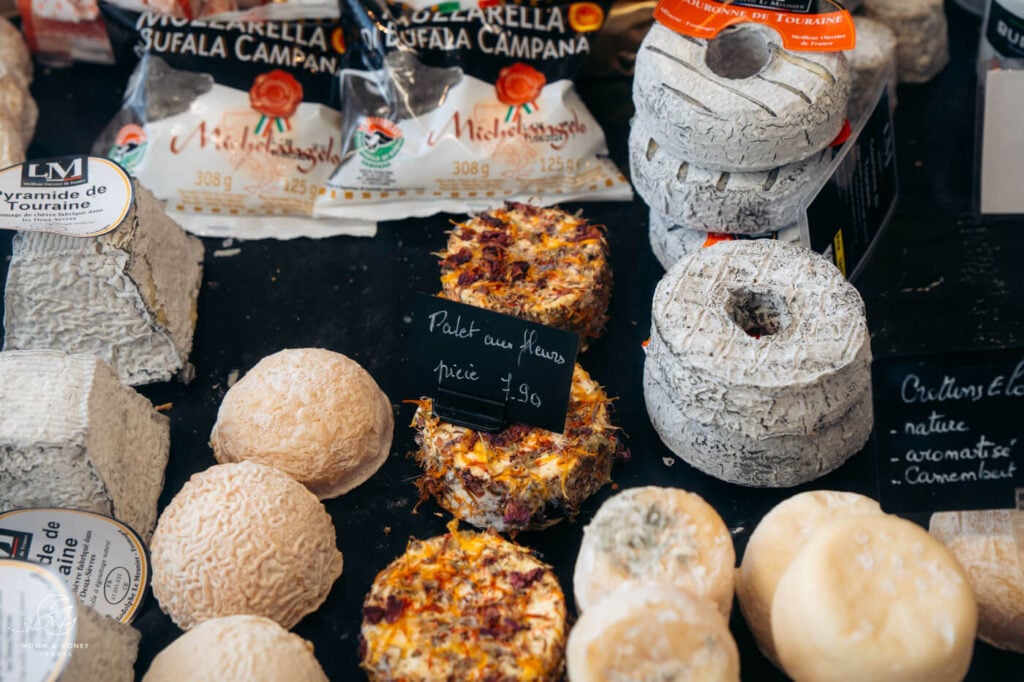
{"x": 64, "y": 171}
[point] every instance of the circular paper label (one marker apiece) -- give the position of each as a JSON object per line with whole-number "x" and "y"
{"x": 103, "y": 561}
{"x": 38, "y": 622}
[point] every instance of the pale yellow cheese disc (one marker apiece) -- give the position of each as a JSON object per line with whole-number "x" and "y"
{"x": 874, "y": 599}
{"x": 660, "y": 534}
{"x": 776, "y": 541}
{"x": 652, "y": 632}
{"x": 990, "y": 547}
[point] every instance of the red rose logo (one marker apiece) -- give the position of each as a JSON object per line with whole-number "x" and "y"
{"x": 519, "y": 84}
{"x": 275, "y": 94}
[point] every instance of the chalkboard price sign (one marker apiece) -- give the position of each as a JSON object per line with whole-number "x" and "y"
{"x": 486, "y": 370}
{"x": 949, "y": 430}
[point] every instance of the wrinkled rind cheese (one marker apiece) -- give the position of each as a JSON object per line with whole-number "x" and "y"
{"x": 14, "y": 52}
{"x": 523, "y": 477}
{"x": 315, "y": 414}
{"x": 128, "y": 297}
{"x": 243, "y": 538}
{"x": 871, "y": 598}
{"x": 777, "y": 541}
{"x": 649, "y": 631}
{"x": 104, "y": 649}
{"x": 537, "y": 264}
{"x": 12, "y": 145}
{"x": 72, "y": 436}
{"x": 656, "y": 534}
{"x": 464, "y": 606}
{"x": 249, "y": 648}
{"x": 989, "y": 545}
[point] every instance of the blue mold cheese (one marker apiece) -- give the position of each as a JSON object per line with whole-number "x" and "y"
{"x": 71, "y": 435}
{"x": 128, "y": 297}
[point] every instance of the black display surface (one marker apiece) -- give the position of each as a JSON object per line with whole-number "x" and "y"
{"x": 940, "y": 280}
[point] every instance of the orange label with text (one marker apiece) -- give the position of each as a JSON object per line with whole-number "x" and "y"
{"x": 809, "y": 25}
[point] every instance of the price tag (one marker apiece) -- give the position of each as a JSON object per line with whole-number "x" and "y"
{"x": 75, "y": 196}
{"x": 948, "y": 431}
{"x": 486, "y": 370}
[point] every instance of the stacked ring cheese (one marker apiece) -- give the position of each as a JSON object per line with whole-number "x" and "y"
{"x": 464, "y": 606}
{"x": 522, "y": 477}
{"x": 538, "y": 264}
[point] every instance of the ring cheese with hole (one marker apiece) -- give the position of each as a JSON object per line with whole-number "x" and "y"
{"x": 464, "y": 606}
{"x": 538, "y": 264}
{"x": 522, "y": 477}
{"x": 653, "y": 534}
{"x": 739, "y": 102}
{"x": 71, "y": 435}
{"x": 719, "y": 201}
{"x": 652, "y": 632}
{"x": 128, "y": 297}
{"x": 758, "y": 367}
{"x": 922, "y": 35}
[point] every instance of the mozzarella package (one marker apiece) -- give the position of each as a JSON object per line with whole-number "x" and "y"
{"x": 459, "y": 106}
{"x": 234, "y": 124}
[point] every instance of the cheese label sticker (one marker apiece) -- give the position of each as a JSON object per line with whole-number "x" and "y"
{"x": 103, "y": 561}
{"x": 74, "y": 196}
{"x": 38, "y": 623}
{"x": 804, "y": 25}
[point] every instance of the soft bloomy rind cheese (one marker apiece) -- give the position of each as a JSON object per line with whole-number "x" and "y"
{"x": 464, "y": 606}
{"x": 71, "y": 435}
{"x": 128, "y": 297}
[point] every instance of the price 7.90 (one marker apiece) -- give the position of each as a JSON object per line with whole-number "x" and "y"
{"x": 522, "y": 394}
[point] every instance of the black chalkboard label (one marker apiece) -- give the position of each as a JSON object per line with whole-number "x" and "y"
{"x": 949, "y": 430}
{"x": 486, "y": 370}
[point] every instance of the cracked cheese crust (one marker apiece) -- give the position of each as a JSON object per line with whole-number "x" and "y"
{"x": 523, "y": 477}
{"x": 464, "y": 606}
{"x": 537, "y": 264}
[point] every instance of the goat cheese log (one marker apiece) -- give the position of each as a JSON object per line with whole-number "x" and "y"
{"x": 72, "y": 436}
{"x": 652, "y": 632}
{"x": 14, "y": 52}
{"x": 874, "y": 598}
{"x": 464, "y": 606}
{"x": 522, "y": 477}
{"x": 719, "y": 201}
{"x": 776, "y": 541}
{"x": 871, "y": 62}
{"x": 671, "y": 242}
{"x": 128, "y": 297}
{"x": 660, "y": 535}
{"x": 758, "y": 367}
{"x": 243, "y": 538}
{"x": 990, "y": 547}
{"x": 250, "y": 648}
{"x": 739, "y": 102}
{"x": 538, "y": 264}
{"x": 922, "y": 35}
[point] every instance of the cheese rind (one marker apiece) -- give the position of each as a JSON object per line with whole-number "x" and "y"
{"x": 14, "y": 52}
{"x": 922, "y": 35}
{"x": 72, "y": 436}
{"x": 104, "y": 649}
{"x": 874, "y": 598}
{"x": 990, "y": 547}
{"x": 656, "y": 534}
{"x": 872, "y": 61}
{"x": 128, "y": 297}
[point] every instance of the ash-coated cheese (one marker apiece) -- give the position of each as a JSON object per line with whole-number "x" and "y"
{"x": 777, "y": 541}
{"x": 922, "y": 35}
{"x": 739, "y": 102}
{"x": 719, "y": 201}
{"x": 14, "y": 52}
{"x": 671, "y": 242}
{"x": 653, "y": 534}
{"x": 758, "y": 367}
{"x": 872, "y": 61}
{"x": 249, "y": 648}
{"x": 874, "y": 598}
{"x": 243, "y": 538}
{"x": 72, "y": 436}
{"x": 652, "y": 632}
{"x": 128, "y": 296}
{"x": 104, "y": 649}
{"x": 989, "y": 545}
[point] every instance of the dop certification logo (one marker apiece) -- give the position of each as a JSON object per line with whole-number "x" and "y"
{"x": 378, "y": 141}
